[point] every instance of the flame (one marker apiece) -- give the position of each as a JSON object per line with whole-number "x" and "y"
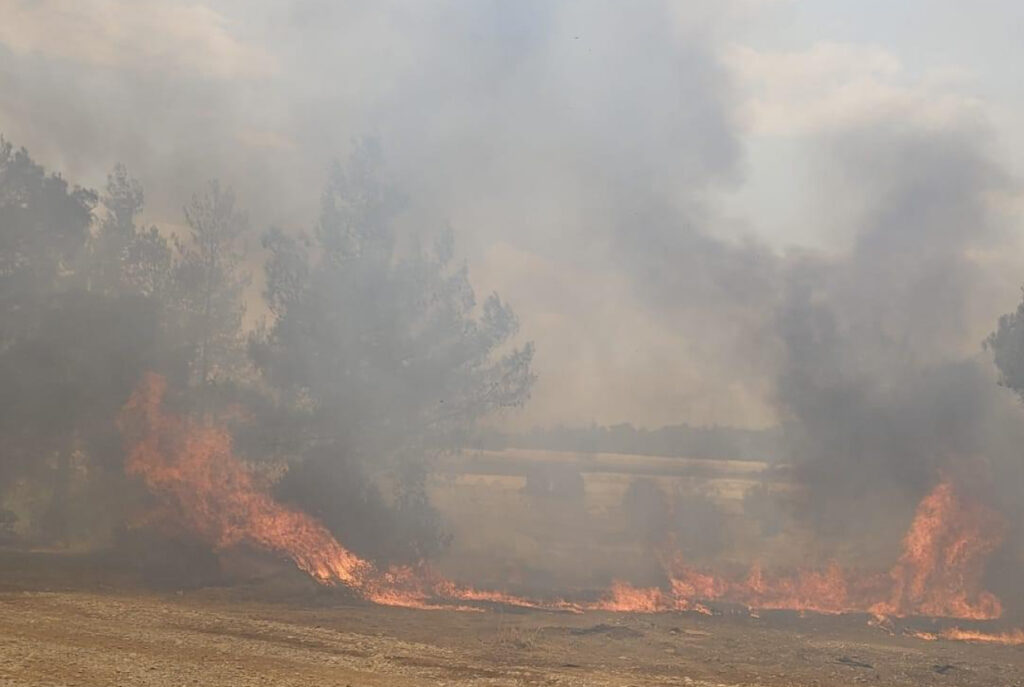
{"x": 624, "y": 597}
{"x": 938, "y": 574}
{"x": 1011, "y": 638}
{"x": 824, "y": 591}
{"x": 943, "y": 561}
{"x": 190, "y": 466}
{"x": 703, "y": 610}
{"x": 921, "y": 634}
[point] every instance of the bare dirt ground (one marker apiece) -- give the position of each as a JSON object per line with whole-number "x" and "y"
{"x": 78, "y": 632}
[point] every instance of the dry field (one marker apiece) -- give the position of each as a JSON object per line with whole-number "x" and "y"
{"x": 88, "y": 637}
{"x": 82, "y": 619}
{"x": 507, "y": 539}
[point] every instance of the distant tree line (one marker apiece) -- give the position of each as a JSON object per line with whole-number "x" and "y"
{"x": 676, "y": 441}
{"x": 369, "y": 354}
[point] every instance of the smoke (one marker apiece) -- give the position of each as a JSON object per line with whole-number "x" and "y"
{"x": 585, "y": 155}
{"x": 569, "y": 143}
{"x": 882, "y": 375}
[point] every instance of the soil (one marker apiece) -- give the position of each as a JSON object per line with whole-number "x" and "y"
{"x": 78, "y": 625}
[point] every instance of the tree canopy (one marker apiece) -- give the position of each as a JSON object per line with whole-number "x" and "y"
{"x": 373, "y": 355}
{"x": 379, "y": 350}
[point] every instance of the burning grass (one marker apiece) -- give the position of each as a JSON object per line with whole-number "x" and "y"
{"x": 203, "y": 488}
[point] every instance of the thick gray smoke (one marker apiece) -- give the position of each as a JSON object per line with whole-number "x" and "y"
{"x": 882, "y": 373}
{"x": 571, "y": 147}
{"x": 581, "y": 152}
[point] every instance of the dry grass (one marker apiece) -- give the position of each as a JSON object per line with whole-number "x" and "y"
{"x": 505, "y": 538}
{"x": 206, "y": 638}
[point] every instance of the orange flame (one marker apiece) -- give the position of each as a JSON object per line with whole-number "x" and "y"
{"x": 921, "y": 634}
{"x": 1012, "y": 638}
{"x": 943, "y": 561}
{"x": 191, "y": 468}
{"x": 624, "y": 597}
{"x": 201, "y": 485}
{"x": 939, "y": 574}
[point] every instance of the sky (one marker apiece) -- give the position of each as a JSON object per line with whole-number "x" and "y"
{"x": 649, "y": 184}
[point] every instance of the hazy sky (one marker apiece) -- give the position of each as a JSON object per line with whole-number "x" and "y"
{"x": 633, "y": 177}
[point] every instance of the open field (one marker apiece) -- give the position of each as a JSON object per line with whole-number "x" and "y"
{"x": 93, "y": 619}
{"x": 504, "y": 537}
{"x": 210, "y": 637}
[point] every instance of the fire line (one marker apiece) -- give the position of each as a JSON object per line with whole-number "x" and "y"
{"x": 203, "y": 487}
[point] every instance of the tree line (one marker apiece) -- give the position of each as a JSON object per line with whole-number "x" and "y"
{"x": 672, "y": 441}
{"x": 370, "y": 352}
